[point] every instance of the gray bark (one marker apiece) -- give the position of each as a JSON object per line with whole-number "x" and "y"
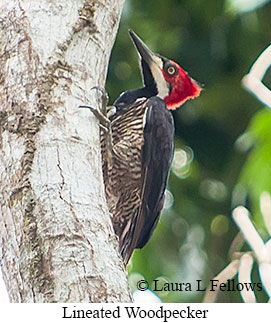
{"x": 57, "y": 241}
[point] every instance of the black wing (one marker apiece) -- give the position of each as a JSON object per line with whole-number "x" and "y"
{"x": 156, "y": 157}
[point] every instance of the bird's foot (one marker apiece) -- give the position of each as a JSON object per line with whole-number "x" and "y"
{"x": 104, "y": 98}
{"x": 100, "y": 114}
{"x": 103, "y": 115}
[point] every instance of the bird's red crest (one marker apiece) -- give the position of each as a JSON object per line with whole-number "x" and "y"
{"x": 183, "y": 87}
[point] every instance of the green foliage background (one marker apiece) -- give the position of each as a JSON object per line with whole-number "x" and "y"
{"x": 226, "y": 132}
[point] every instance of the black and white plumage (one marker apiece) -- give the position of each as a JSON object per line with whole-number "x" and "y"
{"x": 136, "y": 177}
{"x": 142, "y": 148}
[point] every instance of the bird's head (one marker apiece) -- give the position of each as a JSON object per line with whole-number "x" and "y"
{"x": 164, "y": 77}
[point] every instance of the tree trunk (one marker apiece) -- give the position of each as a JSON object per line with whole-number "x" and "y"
{"x": 57, "y": 240}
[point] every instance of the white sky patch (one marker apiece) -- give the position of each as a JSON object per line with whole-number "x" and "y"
{"x": 146, "y": 296}
{"x": 246, "y": 5}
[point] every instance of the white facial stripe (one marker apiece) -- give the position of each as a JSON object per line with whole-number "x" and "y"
{"x": 162, "y": 87}
{"x": 158, "y": 61}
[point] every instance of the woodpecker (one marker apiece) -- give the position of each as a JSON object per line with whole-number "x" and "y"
{"x": 142, "y": 146}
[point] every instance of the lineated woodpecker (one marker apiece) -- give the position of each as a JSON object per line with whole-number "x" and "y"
{"x": 141, "y": 147}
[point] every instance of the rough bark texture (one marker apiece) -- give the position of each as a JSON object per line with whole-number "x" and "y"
{"x": 57, "y": 241}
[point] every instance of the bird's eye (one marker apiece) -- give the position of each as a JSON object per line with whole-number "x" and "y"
{"x": 171, "y": 70}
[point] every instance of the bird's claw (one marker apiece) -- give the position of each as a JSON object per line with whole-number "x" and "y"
{"x": 104, "y": 121}
{"x": 101, "y": 115}
{"x": 104, "y": 97}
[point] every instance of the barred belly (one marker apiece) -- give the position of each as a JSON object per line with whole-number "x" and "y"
{"x": 122, "y": 175}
